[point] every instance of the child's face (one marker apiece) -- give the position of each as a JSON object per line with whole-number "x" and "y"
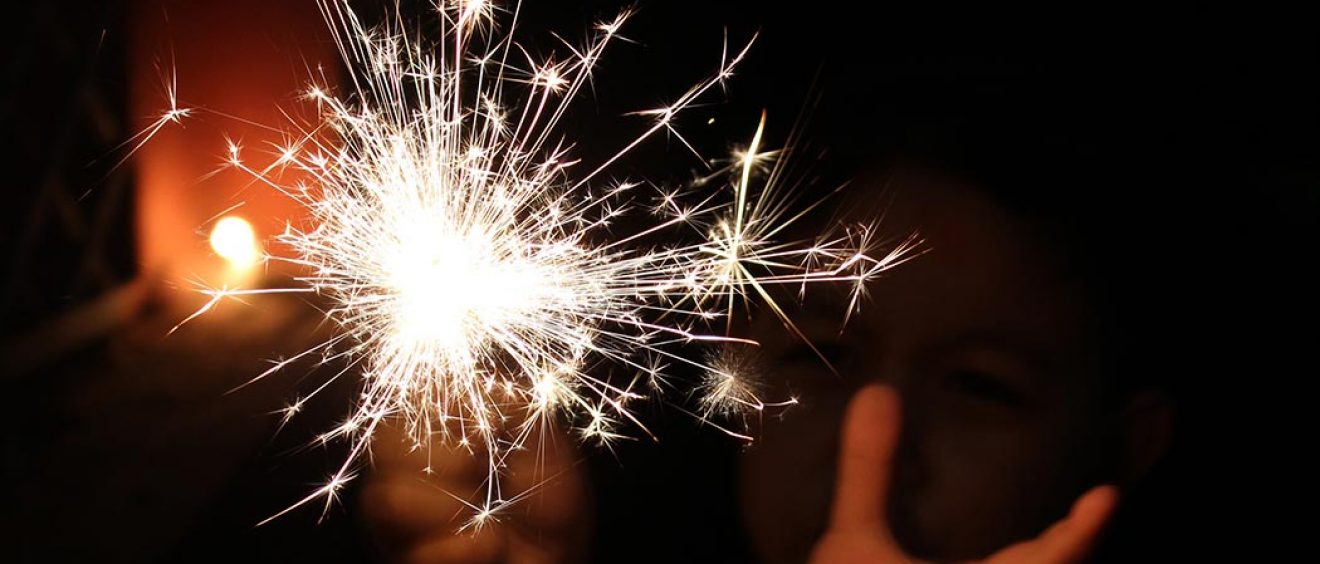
{"x": 988, "y": 345}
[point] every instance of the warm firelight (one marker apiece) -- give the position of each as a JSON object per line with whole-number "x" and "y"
{"x": 234, "y": 240}
{"x": 230, "y": 66}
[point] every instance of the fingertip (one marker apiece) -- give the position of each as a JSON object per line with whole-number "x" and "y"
{"x": 872, "y": 407}
{"x": 876, "y": 392}
{"x": 1096, "y": 502}
{"x": 1073, "y": 538}
{"x": 871, "y": 425}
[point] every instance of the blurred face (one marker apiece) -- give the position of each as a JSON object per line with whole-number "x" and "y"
{"x": 987, "y": 343}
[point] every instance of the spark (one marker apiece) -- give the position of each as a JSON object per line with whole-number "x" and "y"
{"x": 176, "y": 114}
{"x": 483, "y": 286}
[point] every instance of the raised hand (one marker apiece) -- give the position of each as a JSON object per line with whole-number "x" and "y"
{"x": 859, "y": 529}
{"x": 416, "y": 516}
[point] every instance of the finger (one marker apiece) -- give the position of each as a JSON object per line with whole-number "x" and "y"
{"x": 1073, "y": 538}
{"x": 866, "y": 452}
{"x": 400, "y": 509}
{"x": 394, "y": 450}
{"x": 554, "y": 489}
{"x": 486, "y": 545}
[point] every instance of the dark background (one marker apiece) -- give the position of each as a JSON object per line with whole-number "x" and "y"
{"x": 1211, "y": 114}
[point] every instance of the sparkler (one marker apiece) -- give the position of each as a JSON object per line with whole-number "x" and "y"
{"x": 480, "y": 287}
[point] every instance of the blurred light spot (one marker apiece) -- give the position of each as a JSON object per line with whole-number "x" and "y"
{"x": 234, "y": 240}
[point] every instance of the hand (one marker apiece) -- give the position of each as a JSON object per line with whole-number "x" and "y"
{"x": 416, "y": 516}
{"x": 859, "y": 531}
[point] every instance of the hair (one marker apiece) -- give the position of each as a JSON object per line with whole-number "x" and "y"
{"x": 1101, "y": 199}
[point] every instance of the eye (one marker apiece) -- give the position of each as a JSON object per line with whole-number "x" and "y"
{"x": 983, "y": 387}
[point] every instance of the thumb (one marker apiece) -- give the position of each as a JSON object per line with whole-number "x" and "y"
{"x": 866, "y": 452}
{"x": 1071, "y": 539}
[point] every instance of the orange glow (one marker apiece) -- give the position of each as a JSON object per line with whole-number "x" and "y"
{"x": 247, "y": 59}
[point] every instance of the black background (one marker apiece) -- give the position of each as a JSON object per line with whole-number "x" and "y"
{"x": 1218, "y": 106}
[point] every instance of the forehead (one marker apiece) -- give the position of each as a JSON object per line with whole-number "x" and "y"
{"x": 983, "y": 271}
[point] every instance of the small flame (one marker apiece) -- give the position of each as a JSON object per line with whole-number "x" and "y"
{"x": 235, "y": 241}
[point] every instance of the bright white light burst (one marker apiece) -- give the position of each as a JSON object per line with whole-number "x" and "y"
{"x": 481, "y": 286}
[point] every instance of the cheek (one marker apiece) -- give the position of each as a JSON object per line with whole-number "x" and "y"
{"x": 973, "y": 487}
{"x": 787, "y": 482}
